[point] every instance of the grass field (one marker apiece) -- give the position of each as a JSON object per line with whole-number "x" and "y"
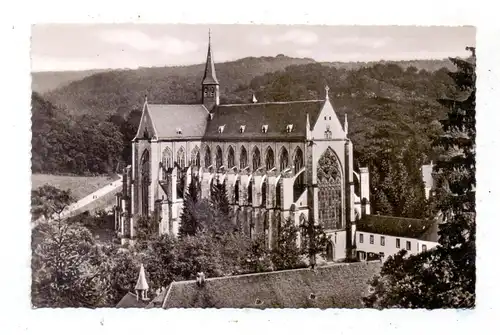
{"x": 79, "y": 186}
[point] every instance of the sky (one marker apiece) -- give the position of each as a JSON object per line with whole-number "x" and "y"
{"x": 103, "y": 46}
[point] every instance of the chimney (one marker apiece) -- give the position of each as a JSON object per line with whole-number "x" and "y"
{"x": 142, "y": 287}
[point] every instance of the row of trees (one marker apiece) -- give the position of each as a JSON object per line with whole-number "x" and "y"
{"x": 443, "y": 277}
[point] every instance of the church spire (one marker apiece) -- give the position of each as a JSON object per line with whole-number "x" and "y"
{"x": 210, "y": 77}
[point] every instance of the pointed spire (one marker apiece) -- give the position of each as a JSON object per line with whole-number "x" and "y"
{"x": 327, "y": 89}
{"x": 210, "y": 77}
{"x": 142, "y": 284}
{"x": 254, "y": 99}
{"x": 346, "y": 125}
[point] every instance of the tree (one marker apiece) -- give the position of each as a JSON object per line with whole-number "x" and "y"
{"x": 443, "y": 277}
{"x": 258, "y": 256}
{"x": 315, "y": 242}
{"x": 219, "y": 200}
{"x": 189, "y": 223}
{"x": 48, "y": 201}
{"x": 67, "y": 268}
{"x": 286, "y": 253}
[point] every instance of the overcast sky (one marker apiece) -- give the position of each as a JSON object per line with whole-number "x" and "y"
{"x": 80, "y": 47}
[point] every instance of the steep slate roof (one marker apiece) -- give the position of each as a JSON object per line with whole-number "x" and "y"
{"x": 130, "y": 301}
{"x": 401, "y": 227}
{"x": 334, "y": 286}
{"x": 166, "y": 119}
{"x": 277, "y": 115}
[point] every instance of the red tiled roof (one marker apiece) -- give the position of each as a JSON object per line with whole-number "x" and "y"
{"x": 276, "y": 115}
{"x": 334, "y": 286}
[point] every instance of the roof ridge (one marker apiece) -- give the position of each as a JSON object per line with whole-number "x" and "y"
{"x": 175, "y": 104}
{"x": 269, "y": 272}
{"x": 396, "y": 217}
{"x": 272, "y": 103}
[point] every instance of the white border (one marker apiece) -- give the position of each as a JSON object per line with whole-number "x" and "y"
{"x": 15, "y": 168}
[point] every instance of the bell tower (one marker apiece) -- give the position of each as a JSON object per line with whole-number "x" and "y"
{"x": 210, "y": 84}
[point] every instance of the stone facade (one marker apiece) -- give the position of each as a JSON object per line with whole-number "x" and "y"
{"x": 272, "y": 170}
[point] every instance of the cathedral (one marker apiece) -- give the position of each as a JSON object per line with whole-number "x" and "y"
{"x": 277, "y": 160}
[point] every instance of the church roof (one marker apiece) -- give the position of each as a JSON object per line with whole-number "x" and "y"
{"x": 253, "y": 116}
{"x": 334, "y": 286}
{"x": 425, "y": 230}
{"x": 168, "y": 119}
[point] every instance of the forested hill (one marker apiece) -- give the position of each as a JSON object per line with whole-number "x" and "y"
{"x": 105, "y": 92}
{"x": 43, "y": 82}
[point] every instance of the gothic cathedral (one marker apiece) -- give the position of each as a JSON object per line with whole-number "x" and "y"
{"x": 277, "y": 160}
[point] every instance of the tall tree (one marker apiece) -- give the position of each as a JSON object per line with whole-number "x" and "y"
{"x": 443, "y": 277}
{"x": 189, "y": 221}
{"x": 286, "y": 253}
{"x": 315, "y": 241}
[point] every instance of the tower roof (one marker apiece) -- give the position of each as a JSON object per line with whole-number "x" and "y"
{"x": 142, "y": 284}
{"x": 210, "y": 76}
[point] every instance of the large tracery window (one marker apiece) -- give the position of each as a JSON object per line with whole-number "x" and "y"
{"x": 145, "y": 182}
{"x": 269, "y": 158}
{"x": 195, "y": 157}
{"x": 283, "y": 159}
{"x": 166, "y": 162}
{"x": 255, "y": 159}
{"x": 330, "y": 191}
{"x": 208, "y": 157}
{"x": 243, "y": 158}
{"x": 230, "y": 158}
{"x": 218, "y": 158}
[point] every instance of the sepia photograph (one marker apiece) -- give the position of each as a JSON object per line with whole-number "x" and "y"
{"x": 253, "y": 166}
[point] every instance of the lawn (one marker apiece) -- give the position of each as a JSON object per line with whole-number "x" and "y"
{"x": 79, "y": 186}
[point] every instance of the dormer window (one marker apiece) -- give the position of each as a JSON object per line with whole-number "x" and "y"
{"x": 264, "y": 128}
{"x": 178, "y": 131}
{"x": 242, "y": 129}
{"x": 289, "y": 128}
{"x": 221, "y": 129}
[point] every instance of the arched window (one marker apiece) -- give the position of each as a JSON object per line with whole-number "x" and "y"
{"x": 166, "y": 162}
{"x": 208, "y": 157}
{"x": 243, "y": 158}
{"x": 145, "y": 181}
{"x": 218, "y": 157}
{"x": 181, "y": 158}
{"x": 299, "y": 185}
{"x": 250, "y": 193}
{"x": 230, "y": 158}
{"x": 329, "y": 191}
{"x": 278, "y": 193}
{"x": 298, "y": 160}
{"x": 283, "y": 159}
{"x": 269, "y": 158}
{"x": 237, "y": 192}
{"x": 255, "y": 159}
{"x": 195, "y": 157}
{"x": 264, "y": 193}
